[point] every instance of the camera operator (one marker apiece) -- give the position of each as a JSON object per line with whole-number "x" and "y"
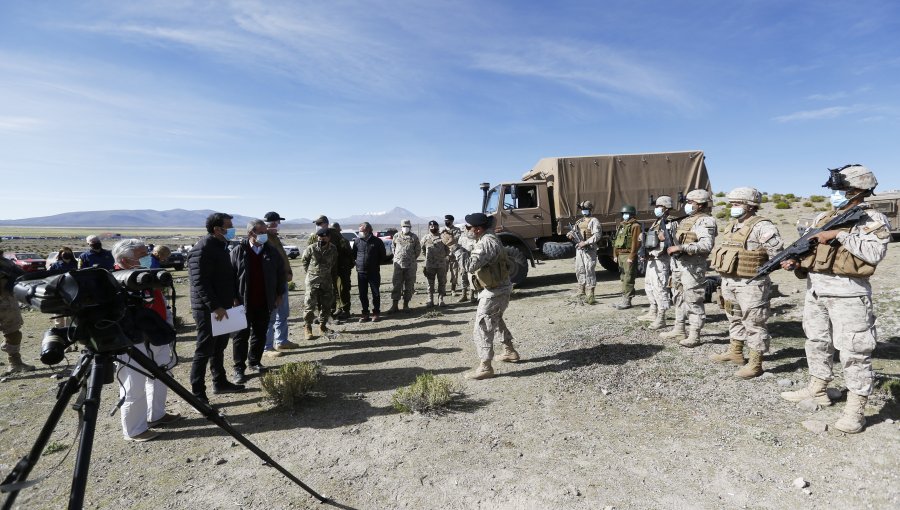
{"x": 144, "y": 404}
{"x": 10, "y": 317}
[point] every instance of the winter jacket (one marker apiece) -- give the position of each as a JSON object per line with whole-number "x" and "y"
{"x": 272, "y": 268}
{"x": 369, "y": 254}
{"x": 213, "y": 283}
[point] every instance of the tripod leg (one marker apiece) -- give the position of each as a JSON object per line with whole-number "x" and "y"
{"x": 214, "y": 417}
{"x": 20, "y": 472}
{"x": 90, "y": 409}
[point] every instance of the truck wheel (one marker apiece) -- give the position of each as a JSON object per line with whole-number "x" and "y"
{"x": 553, "y": 250}
{"x": 518, "y": 268}
{"x": 608, "y": 263}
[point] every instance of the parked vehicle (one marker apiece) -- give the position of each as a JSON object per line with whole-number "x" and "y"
{"x": 533, "y": 216}
{"x": 27, "y": 261}
{"x": 54, "y": 255}
{"x": 292, "y": 251}
{"x": 350, "y": 236}
{"x": 888, "y": 203}
{"x": 387, "y": 236}
{"x": 176, "y": 261}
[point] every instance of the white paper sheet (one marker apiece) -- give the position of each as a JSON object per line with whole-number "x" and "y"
{"x": 236, "y": 321}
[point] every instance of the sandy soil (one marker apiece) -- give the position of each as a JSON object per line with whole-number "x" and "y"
{"x": 599, "y": 413}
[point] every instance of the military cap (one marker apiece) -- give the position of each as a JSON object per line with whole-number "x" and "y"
{"x": 432, "y": 222}
{"x": 321, "y": 219}
{"x": 449, "y": 217}
{"x": 477, "y": 219}
{"x": 406, "y": 223}
{"x": 273, "y": 216}
{"x": 323, "y": 231}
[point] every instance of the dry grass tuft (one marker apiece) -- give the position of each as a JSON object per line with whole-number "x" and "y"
{"x": 288, "y": 384}
{"x": 428, "y": 393}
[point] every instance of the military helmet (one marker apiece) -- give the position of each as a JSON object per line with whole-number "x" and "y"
{"x": 587, "y": 204}
{"x": 699, "y": 195}
{"x": 665, "y": 201}
{"x": 851, "y": 176}
{"x": 749, "y": 196}
{"x": 629, "y": 209}
{"x": 406, "y": 223}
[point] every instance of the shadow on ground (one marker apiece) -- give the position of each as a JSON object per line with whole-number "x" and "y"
{"x": 604, "y": 354}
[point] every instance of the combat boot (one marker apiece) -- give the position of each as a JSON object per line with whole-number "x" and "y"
{"x": 393, "y": 308}
{"x": 734, "y": 354}
{"x": 677, "y": 332}
{"x": 323, "y": 327}
{"x": 624, "y": 305}
{"x": 753, "y": 368}
{"x": 482, "y": 371}
{"x": 815, "y": 391}
{"x": 441, "y": 301}
{"x": 590, "y": 297}
{"x": 464, "y": 297}
{"x": 430, "y": 300}
{"x": 307, "y": 332}
{"x": 650, "y": 315}
{"x": 660, "y": 321}
{"x": 854, "y": 417}
{"x": 692, "y": 340}
{"x": 473, "y": 297}
{"x": 17, "y": 365}
{"x": 509, "y": 354}
{"x": 579, "y": 291}
{"x": 405, "y": 305}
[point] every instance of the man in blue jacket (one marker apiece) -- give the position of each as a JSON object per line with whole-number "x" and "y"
{"x": 369, "y": 253}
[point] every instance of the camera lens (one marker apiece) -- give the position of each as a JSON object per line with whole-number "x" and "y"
{"x": 53, "y": 346}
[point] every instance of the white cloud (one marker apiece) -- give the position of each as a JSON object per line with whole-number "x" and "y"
{"x": 831, "y": 112}
{"x": 19, "y": 124}
{"x": 827, "y": 97}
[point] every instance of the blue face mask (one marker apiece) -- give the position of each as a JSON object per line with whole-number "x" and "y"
{"x": 626, "y": 216}
{"x": 145, "y": 261}
{"x": 839, "y": 198}
{"x": 737, "y": 212}
{"x": 262, "y": 238}
{"x": 689, "y": 208}
{"x": 585, "y": 212}
{"x": 229, "y": 234}
{"x": 658, "y": 212}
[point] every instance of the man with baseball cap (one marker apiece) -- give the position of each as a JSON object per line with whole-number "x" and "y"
{"x": 277, "y": 331}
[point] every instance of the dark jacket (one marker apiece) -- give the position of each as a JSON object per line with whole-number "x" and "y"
{"x": 103, "y": 258}
{"x": 369, "y": 254}
{"x": 213, "y": 284}
{"x": 272, "y": 267}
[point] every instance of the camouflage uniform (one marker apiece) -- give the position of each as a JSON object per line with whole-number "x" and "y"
{"x": 837, "y": 311}
{"x": 340, "y": 272}
{"x": 492, "y": 302}
{"x": 586, "y": 258}
{"x": 436, "y": 253}
{"x": 626, "y": 244}
{"x": 657, "y": 270}
{"x": 696, "y": 235}
{"x": 451, "y": 236}
{"x": 406, "y": 250}
{"x": 10, "y": 317}
{"x": 318, "y": 263}
{"x": 462, "y": 251}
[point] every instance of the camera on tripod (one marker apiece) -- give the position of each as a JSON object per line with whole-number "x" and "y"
{"x": 98, "y": 301}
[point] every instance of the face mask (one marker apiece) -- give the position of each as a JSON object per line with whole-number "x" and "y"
{"x": 689, "y": 208}
{"x": 585, "y": 212}
{"x": 839, "y": 198}
{"x": 229, "y": 234}
{"x": 737, "y": 212}
{"x": 262, "y": 238}
{"x": 363, "y": 235}
{"x": 406, "y": 229}
{"x": 658, "y": 212}
{"x": 320, "y": 243}
{"x": 145, "y": 261}
{"x": 448, "y": 224}
{"x": 96, "y": 246}
{"x": 626, "y": 216}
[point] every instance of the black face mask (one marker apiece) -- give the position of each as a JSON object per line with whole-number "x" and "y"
{"x": 448, "y": 224}
{"x": 66, "y": 257}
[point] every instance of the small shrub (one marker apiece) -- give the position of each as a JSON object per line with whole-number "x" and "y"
{"x": 765, "y": 199}
{"x": 55, "y": 447}
{"x": 721, "y": 215}
{"x": 291, "y": 382}
{"x": 777, "y": 197}
{"x": 808, "y": 204}
{"x": 292, "y": 286}
{"x": 782, "y": 205}
{"x": 428, "y": 393}
{"x": 817, "y": 198}
{"x": 721, "y": 203}
{"x": 790, "y": 196}
{"x": 720, "y": 194}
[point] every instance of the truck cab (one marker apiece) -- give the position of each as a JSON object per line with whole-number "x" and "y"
{"x": 522, "y": 208}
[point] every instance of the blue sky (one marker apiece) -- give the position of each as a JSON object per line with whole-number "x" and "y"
{"x": 344, "y": 107}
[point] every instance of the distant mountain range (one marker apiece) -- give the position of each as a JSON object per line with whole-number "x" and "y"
{"x": 182, "y": 218}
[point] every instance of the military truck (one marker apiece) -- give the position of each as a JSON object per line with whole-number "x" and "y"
{"x": 532, "y": 216}
{"x": 888, "y": 203}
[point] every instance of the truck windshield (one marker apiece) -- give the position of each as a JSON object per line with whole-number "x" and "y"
{"x": 493, "y": 198}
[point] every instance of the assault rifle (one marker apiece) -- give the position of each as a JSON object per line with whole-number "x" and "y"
{"x": 575, "y": 233}
{"x": 806, "y": 244}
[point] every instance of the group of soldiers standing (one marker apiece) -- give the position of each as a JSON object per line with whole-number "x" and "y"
{"x": 678, "y": 252}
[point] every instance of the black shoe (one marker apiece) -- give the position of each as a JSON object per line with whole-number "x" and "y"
{"x": 239, "y": 377}
{"x": 257, "y": 369}
{"x": 227, "y": 387}
{"x": 202, "y": 398}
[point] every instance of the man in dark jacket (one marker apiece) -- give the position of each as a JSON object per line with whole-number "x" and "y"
{"x": 260, "y": 279}
{"x": 97, "y": 256}
{"x": 369, "y": 253}
{"x": 213, "y": 291}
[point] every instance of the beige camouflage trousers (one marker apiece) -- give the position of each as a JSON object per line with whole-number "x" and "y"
{"x": 319, "y": 296}
{"x": 586, "y": 267}
{"x": 747, "y": 310}
{"x": 489, "y": 322}
{"x": 404, "y": 282}
{"x": 848, "y": 325}
{"x": 10, "y": 316}
{"x": 453, "y": 271}
{"x": 688, "y": 291}
{"x": 439, "y": 273}
{"x": 656, "y": 281}
{"x": 463, "y": 258}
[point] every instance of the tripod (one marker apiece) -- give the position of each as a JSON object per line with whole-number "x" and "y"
{"x": 91, "y": 370}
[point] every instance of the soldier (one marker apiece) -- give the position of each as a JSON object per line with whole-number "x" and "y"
{"x": 462, "y": 252}
{"x": 748, "y": 242}
{"x": 657, "y": 272}
{"x": 490, "y": 268}
{"x": 626, "y": 244}
{"x": 11, "y": 317}
{"x": 450, "y": 234}
{"x": 588, "y": 230}
{"x": 406, "y": 251}
{"x": 318, "y": 260}
{"x": 436, "y": 254}
{"x": 342, "y": 246}
{"x": 344, "y": 268}
{"x": 837, "y": 311}
{"x": 694, "y": 239}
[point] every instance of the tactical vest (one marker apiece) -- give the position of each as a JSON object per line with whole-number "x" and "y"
{"x": 836, "y": 260}
{"x": 496, "y": 273}
{"x": 624, "y": 236}
{"x": 732, "y": 258}
{"x": 685, "y": 233}
{"x": 584, "y": 228}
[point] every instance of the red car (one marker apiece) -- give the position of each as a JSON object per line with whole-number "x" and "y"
{"x": 28, "y": 262}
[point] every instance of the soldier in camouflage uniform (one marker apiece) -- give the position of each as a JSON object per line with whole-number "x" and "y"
{"x": 837, "y": 311}
{"x": 450, "y": 234}
{"x": 695, "y": 237}
{"x": 462, "y": 252}
{"x": 627, "y": 243}
{"x": 340, "y": 309}
{"x": 490, "y": 268}
{"x": 10, "y": 317}
{"x": 748, "y": 242}
{"x": 657, "y": 270}
{"x": 318, "y": 260}
{"x": 587, "y": 229}
{"x": 436, "y": 254}
{"x": 406, "y": 248}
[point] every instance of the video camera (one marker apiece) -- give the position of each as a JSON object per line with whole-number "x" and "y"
{"x": 96, "y": 299}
